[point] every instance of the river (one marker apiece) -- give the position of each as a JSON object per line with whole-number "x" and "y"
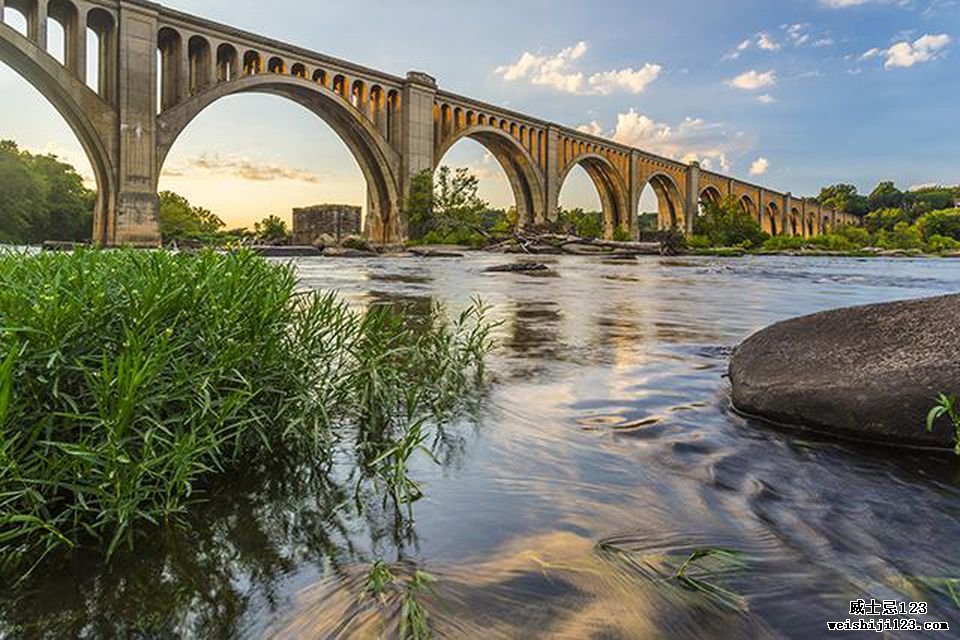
{"x": 607, "y": 420}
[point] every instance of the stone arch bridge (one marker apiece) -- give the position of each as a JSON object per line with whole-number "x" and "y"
{"x": 157, "y": 69}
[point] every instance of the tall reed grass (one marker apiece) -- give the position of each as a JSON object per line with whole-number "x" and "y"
{"x": 131, "y": 381}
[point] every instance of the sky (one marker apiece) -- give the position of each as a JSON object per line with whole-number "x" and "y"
{"x": 792, "y": 94}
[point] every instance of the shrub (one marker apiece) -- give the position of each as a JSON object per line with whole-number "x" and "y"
{"x": 622, "y": 235}
{"x": 698, "y": 242}
{"x": 726, "y": 224}
{"x": 903, "y": 236}
{"x": 940, "y": 223}
{"x": 131, "y": 380}
{"x": 784, "y": 243}
{"x": 942, "y": 244}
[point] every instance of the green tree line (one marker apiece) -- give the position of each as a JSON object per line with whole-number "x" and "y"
{"x": 41, "y": 198}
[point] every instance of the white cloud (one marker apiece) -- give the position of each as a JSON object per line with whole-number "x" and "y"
{"x": 765, "y": 42}
{"x": 840, "y": 4}
{"x": 766, "y": 99}
{"x": 242, "y": 168}
{"x": 798, "y": 34}
{"x": 692, "y": 139}
{"x": 923, "y": 49}
{"x": 593, "y": 128}
{"x": 629, "y": 80}
{"x": 759, "y": 166}
{"x": 753, "y": 80}
{"x": 906, "y": 54}
{"x": 558, "y": 71}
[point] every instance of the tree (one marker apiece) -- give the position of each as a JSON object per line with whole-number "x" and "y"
{"x": 456, "y": 202}
{"x": 885, "y": 219}
{"x": 944, "y": 223}
{"x": 23, "y": 197}
{"x": 844, "y": 198}
{"x": 583, "y": 224}
{"x": 446, "y": 207}
{"x": 726, "y": 224}
{"x": 179, "y": 220}
{"x": 920, "y": 202}
{"x": 885, "y": 196}
{"x": 419, "y": 205}
{"x": 272, "y": 230}
{"x": 42, "y": 198}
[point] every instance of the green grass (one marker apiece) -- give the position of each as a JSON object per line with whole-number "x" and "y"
{"x": 131, "y": 382}
{"x": 946, "y": 407}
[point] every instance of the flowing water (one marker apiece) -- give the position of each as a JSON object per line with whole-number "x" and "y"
{"x": 603, "y": 452}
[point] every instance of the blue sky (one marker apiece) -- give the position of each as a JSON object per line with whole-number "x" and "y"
{"x": 790, "y": 93}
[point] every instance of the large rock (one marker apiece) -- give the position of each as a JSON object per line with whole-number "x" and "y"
{"x": 869, "y": 373}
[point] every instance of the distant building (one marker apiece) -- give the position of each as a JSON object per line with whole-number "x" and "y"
{"x": 335, "y": 220}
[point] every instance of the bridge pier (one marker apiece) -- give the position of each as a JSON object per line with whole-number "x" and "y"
{"x": 692, "y": 201}
{"x": 135, "y": 219}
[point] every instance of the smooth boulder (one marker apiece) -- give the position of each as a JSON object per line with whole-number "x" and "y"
{"x": 869, "y": 373}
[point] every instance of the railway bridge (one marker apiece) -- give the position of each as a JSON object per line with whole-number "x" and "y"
{"x": 157, "y": 68}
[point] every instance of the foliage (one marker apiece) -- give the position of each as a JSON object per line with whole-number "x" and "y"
{"x": 672, "y": 242}
{"x": 179, "y": 220}
{"x": 885, "y": 219}
{"x": 903, "y": 236}
{"x": 419, "y": 205}
{"x": 43, "y": 198}
{"x": 456, "y": 202}
{"x": 583, "y": 224}
{"x": 272, "y": 230}
{"x": 725, "y": 224}
{"x": 885, "y": 196}
{"x": 445, "y": 208}
{"x": 132, "y": 381}
{"x": 940, "y": 223}
{"x": 408, "y": 593}
{"x": 844, "y": 198}
{"x": 622, "y": 235}
{"x": 946, "y": 407}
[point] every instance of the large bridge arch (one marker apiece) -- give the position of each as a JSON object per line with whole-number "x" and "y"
{"x": 91, "y": 118}
{"x": 670, "y": 202}
{"x": 377, "y": 160}
{"x": 610, "y": 187}
{"x": 517, "y": 163}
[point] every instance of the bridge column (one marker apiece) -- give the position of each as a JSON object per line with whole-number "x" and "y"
{"x": 785, "y": 214}
{"x": 692, "y": 203}
{"x": 37, "y": 24}
{"x": 551, "y": 174}
{"x": 76, "y": 47}
{"x": 416, "y": 145}
{"x": 136, "y": 220}
{"x": 633, "y": 199}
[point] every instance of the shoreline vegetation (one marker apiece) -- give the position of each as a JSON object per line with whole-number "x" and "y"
{"x": 134, "y": 383}
{"x": 45, "y": 200}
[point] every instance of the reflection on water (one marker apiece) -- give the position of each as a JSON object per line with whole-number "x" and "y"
{"x": 607, "y": 421}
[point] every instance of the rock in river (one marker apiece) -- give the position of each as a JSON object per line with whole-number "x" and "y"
{"x": 868, "y": 373}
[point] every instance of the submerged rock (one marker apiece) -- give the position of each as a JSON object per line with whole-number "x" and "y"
{"x": 286, "y": 251}
{"x": 868, "y": 373}
{"x": 518, "y": 267}
{"x": 437, "y": 251}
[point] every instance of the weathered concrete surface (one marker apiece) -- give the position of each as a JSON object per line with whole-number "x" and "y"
{"x": 870, "y": 373}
